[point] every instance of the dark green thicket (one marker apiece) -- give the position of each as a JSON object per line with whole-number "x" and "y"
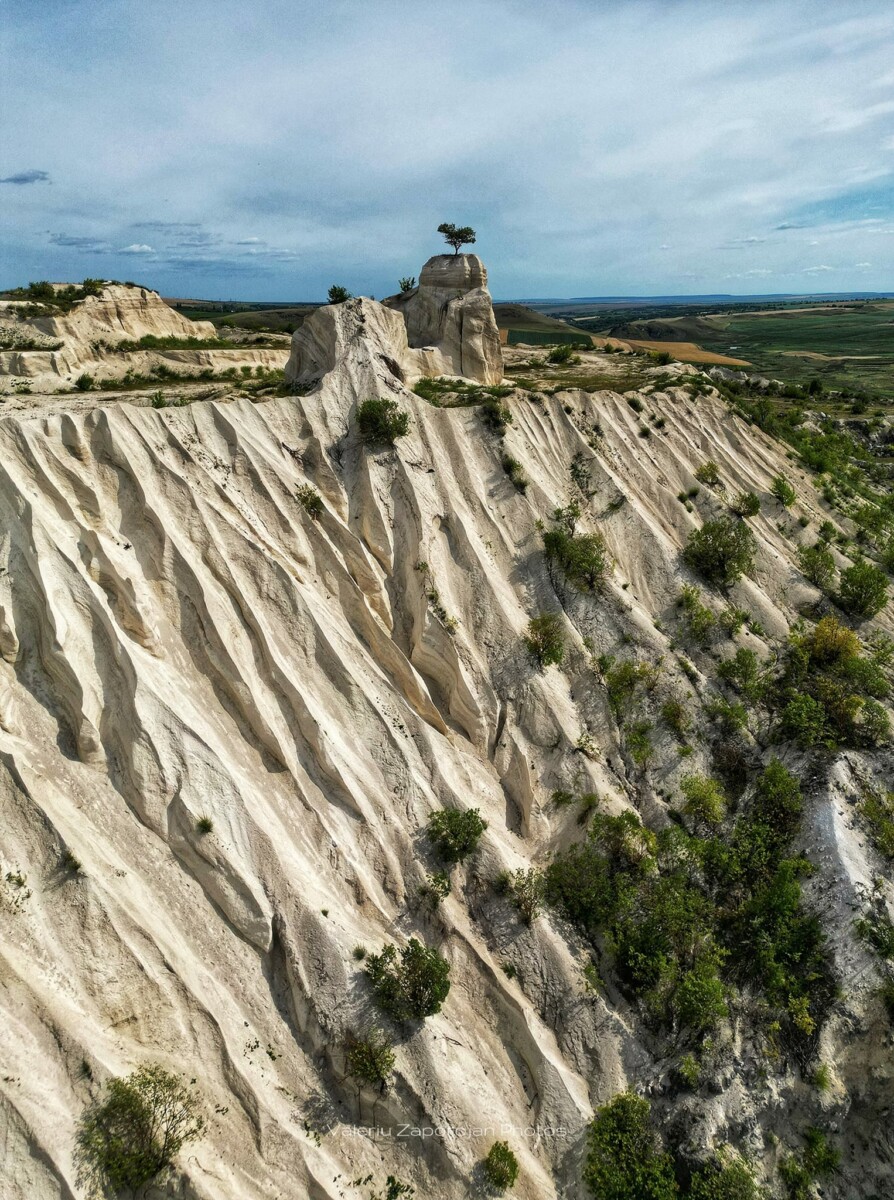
{"x": 685, "y": 916}
{"x": 829, "y": 690}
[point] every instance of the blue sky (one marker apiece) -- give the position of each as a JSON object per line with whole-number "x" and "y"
{"x": 266, "y": 150}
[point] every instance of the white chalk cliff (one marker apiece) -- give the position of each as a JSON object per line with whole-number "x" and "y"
{"x": 446, "y": 327}
{"x": 180, "y": 639}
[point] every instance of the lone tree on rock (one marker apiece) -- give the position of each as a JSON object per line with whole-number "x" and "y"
{"x": 338, "y": 294}
{"x": 457, "y": 235}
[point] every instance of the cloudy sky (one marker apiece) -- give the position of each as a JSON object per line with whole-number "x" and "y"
{"x": 264, "y": 150}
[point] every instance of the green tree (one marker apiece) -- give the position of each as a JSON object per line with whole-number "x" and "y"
{"x": 338, "y": 294}
{"x": 136, "y": 1131}
{"x": 624, "y": 1158}
{"x": 818, "y": 565}
{"x": 783, "y": 491}
{"x": 721, "y": 551}
{"x": 369, "y": 1057}
{"x": 457, "y": 235}
{"x": 545, "y": 639}
{"x": 407, "y": 283}
{"x": 863, "y": 589}
{"x": 456, "y": 834}
{"x": 409, "y": 984}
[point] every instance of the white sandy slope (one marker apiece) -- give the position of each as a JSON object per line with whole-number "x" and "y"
{"x": 180, "y": 639}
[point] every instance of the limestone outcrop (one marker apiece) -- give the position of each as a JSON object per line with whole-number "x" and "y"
{"x": 446, "y": 327}
{"x": 87, "y": 337}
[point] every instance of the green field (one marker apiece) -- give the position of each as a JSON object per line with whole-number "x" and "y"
{"x": 847, "y": 345}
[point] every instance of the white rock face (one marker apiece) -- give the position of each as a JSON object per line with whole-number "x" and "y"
{"x": 179, "y": 639}
{"x": 447, "y": 327}
{"x": 98, "y": 323}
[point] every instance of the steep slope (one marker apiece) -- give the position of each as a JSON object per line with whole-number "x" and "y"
{"x": 181, "y": 639}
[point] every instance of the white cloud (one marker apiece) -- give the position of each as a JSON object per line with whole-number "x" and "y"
{"x": 311, "y": 143}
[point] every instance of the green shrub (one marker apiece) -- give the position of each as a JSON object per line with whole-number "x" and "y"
{"x": 746, "y": 504}
{"x": 456, "y": 834}
{"x": 818, "y": 1161}
{"x": 863, "y": 590}
{"x": 746, "y": 673}
{"x": 582, "y": 559}
{"x": 623, "y": 681}
{"x": 134, "y": 1134}
{"x": 545, "y": 639}
{"x": 708, "y": 473}
{"x": 732, "y": 619}
{"x": 409, "y": 984}
{"x": 624, "y": 1158}
{"x": 381, "y": 421}
{"x": 783, "y": 491}
{"x": 637, "y": 737}
{"x": 204, "y": 825}
{"x": 526, "y": 889}
{"x": 877, "y": 811}
{"x": 704, "y": 799}
{"x": 724, "y": 1179}
{"x": 803, "y": 721}
{"x": 721, "y": 551}
{"x": 675, "y": 716}
{"x": 514, "y": 470}
{"x": 496, "y": 416}
{"x": 338, "y": 294}
{"x": 500, "y": 1167}
{"x": 369, "y": 1057}
{"x": 310, "y": 500}
{"x": 85, "y": 383}
{"x": 700, "y": 620}
{"x": 817, "y": 565}
{"x": 562, "y": 354}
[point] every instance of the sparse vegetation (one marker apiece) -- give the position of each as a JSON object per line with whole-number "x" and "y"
{"x": 708, "y": 473}
{"x": 310, "y": 500}
{"x": 783, "y": 491}
{"x": 338, "y": 294}
{"x": 515, "y": 471}
{"x": 526, "y": 890}
{"x": 746, "y": 504}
